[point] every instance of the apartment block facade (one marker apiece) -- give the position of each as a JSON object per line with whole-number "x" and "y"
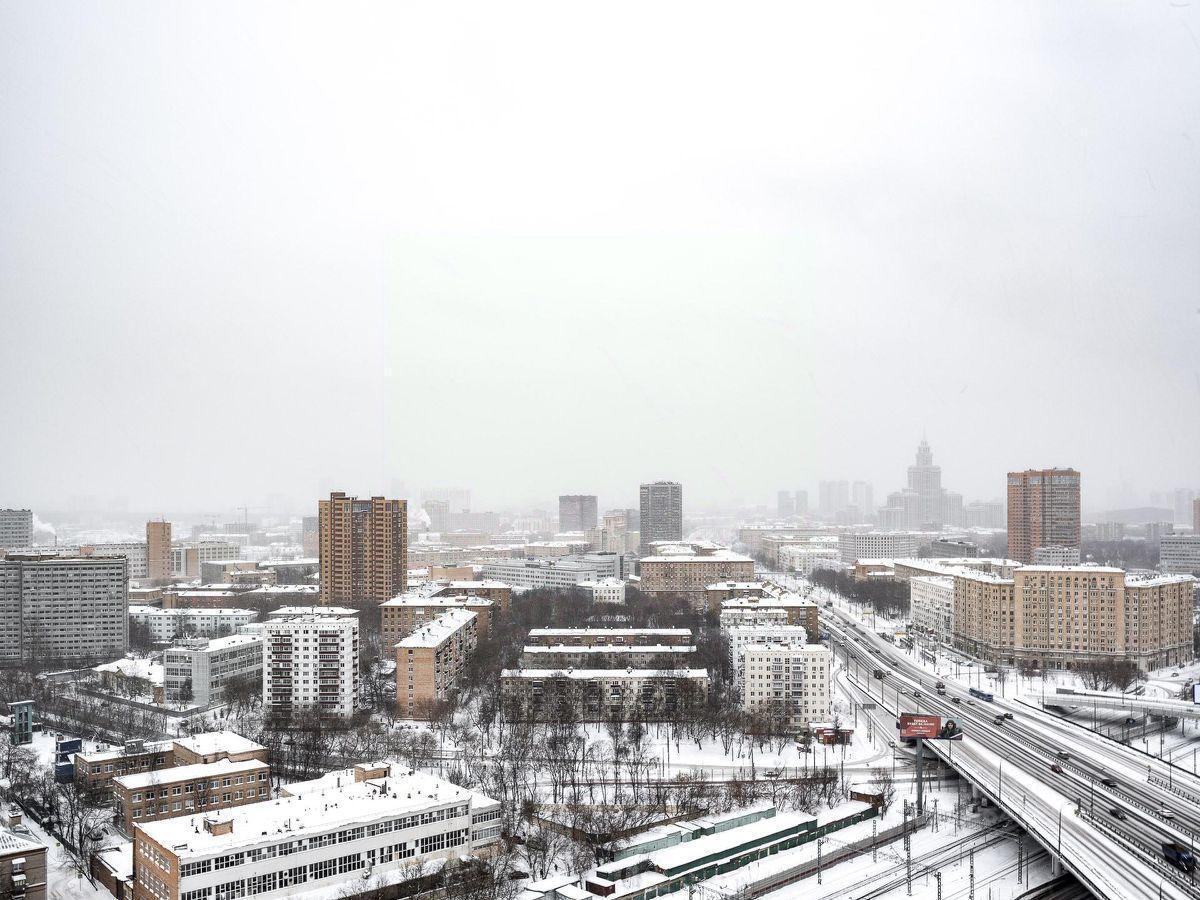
{"x": 158, "y": 551}
{"x": 660, "y": 513}
{"x": 319, "y": 838}
{"x": 310, "y": 664}
{"x": 403, "y": 615}
{"x": 169, "y": 624}
{"x": 203, "y": 668}
{"x": 1043, "y": 511}
{"x": 1062, "y": 616}
{"x": 183, "y": 790}
{"x": 787, "y": 682}
{"x": 94, "y": 772}
{"x": 599, "y": 695}
{"x": 688, "y": 574}
{"x": 16, "y": 528}
{"x": 61, "y": 610}
{"x": 430, "y": 662}
{"x": 576, "y": 512}
{"x": 363, "y": 548}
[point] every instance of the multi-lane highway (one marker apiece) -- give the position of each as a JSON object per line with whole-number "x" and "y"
{"x": 1098, "y": 806}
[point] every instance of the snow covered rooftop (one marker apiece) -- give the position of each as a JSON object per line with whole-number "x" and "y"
{"x": 224, "y": 643}
{"x": 10, "y": 842}
{"x": 448, "y": 601}
{"x": 221, "y": 767}
{"x": 217, "y": 741}
{"x": 602, "y": 632}
{"x": 438, "y": 630}
{"x": 134, "y": 668}
{"x": 761, "y": 602}
{"x": 317, "y": 810}
{"x": 589, "y": 674}
{"x": 613, "y": 648}
{"x": 288, "y": 611}
{"x": 692, "y": 557}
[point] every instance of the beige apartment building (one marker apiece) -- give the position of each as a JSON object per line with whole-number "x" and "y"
{"x": 688, "y": 573}
{"x": 183, "y": 790}
{"x": 158, "y": 550}
{"x": 1059, "y": 616}
{"x": 403, "y": 615}
{"x": 363, "y": 548}
{"x": 430, "y": 662}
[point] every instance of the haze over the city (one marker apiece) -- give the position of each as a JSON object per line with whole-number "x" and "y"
{"x": 533, "y": 249}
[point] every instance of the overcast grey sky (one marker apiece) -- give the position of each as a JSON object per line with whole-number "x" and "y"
{"x": 254, "y": 248}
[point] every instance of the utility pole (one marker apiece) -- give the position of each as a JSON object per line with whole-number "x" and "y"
{"x": 938, "y": 877}
{"x": 920, "y": 779}
{"x": 820, "y": 842}
{"x": 875, "y": 840}
{"x": 971, "y": 891}
{"x": 908, "y": 862}
{"x": 1020, "y": 856}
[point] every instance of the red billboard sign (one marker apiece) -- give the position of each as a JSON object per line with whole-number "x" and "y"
{"x": 919, "y": 725}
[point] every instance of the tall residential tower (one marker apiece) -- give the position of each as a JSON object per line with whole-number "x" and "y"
{"x": 661, "y": 514}
{"x": 364, "y": 548}
{"x": 1043, "y": 511}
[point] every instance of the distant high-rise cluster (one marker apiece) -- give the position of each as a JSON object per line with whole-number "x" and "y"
{"x": 791, "y": 503}
{"x": 364, "y": 548}
{"x": 576, "y": 512}
{"x": 661, "y": 513}
{"x": 924, "y": 502}
{"x": 1043, "y": 511}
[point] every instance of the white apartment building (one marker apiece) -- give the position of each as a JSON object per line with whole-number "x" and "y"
{"x": 171, "y": 624}
{"x": 739, "y": 637}
{"x": 63, "y": 609}
{"x": 310, "y": 664}
{"x": 1056, "y": 556}
{"x": 804, "y": 559}
{"x": 788, "y": 681}
{"x": 1179, "y": 554}
{"x": 605, "y": 590}
{"x": 16, "y": 528}
{"x": 877, "y": 545}
{"x": 529, "y": 574}
{"x": 319, "y": 838}
{"x": 204, "y": 667}
{"x": 753, "y": 615}
{"x": 931, "y": 601}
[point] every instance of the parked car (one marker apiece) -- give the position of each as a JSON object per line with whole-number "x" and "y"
{"x": 1117, "y": 814}
{"x": 1056, "y": 769}
{"x": 1109, "y": 782}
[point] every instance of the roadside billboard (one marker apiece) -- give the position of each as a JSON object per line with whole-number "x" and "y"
{"x": 1196, "y": 692}
{"x": 919, "y": 725}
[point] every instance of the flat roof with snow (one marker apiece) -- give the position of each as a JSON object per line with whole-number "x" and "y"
{"x": 600, "y": 632}
{"x": 588, "y": 674}
{"x": 312, "y": 812}
{"x": 221, "y": 768}
{"x": 434, "y": 632}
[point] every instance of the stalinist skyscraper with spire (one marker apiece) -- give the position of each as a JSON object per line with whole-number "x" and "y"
{"x": 924, "y": 502}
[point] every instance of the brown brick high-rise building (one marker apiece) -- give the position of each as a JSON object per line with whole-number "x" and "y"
{"x": 364, "y": 548}
{"x": 1043, "y": 511}
{"x": 158, "y": 550}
